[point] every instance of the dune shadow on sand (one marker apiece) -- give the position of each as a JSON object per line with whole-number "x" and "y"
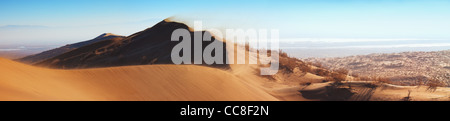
{"x": 328, "y": 93}
{"x": 340, "y": 92}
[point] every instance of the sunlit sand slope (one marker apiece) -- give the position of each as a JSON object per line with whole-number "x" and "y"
{"x": 149, "y": 82}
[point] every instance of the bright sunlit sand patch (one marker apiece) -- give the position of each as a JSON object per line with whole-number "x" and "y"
{"x": 148, "y": 82}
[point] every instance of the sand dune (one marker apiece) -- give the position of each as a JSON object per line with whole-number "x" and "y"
{"x": 148, "y": 82}
{"x": 150, "y": 46}
{"x": 185, "y": 83}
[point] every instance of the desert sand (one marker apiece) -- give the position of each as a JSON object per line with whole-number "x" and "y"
{"x": 186, "y": 83}
{"x": 147, "y": 82}
{"x": 168, "y": 82}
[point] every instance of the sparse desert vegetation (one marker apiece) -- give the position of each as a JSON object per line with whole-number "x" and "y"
{"x": 344, "y": 84}
{"x": 407, "y": 68}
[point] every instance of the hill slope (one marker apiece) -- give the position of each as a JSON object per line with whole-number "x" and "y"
{"x": 151, "y": 46}
{"x": 147, "y": 82}
{"x": 61, "y": 50}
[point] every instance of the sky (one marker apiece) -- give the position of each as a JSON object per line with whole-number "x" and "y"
{"x": 68, "y": 21}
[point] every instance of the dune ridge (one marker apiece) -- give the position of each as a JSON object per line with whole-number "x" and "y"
{"x": 145, "y": 82}
{"x": 150, "y": 46}
{"x": 36, "y": 58}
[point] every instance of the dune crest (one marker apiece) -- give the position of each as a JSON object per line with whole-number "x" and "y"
{"x": 146, "y": 82}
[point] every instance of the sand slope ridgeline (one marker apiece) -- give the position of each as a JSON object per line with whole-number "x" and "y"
{"x": 148, "y": 82}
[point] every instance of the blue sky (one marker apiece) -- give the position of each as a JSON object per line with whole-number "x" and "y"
{"x": 66, "y": 21}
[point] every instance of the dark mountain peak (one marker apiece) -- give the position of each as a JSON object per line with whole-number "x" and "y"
{"x": 150, "y": 46}
{"x": 108, "y": 35}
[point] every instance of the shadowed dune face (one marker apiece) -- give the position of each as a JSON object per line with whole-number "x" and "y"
{"x": 67, "y": 48}
{"x": 370, "y": 91}
{"x": 151, "y": 46}
{"x": 155, "y": 82}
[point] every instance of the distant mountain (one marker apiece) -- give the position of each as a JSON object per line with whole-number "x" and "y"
{"x": 151, "y": 46}
{"x": 61, "y": 50}
{"x": 405, "y": 68}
